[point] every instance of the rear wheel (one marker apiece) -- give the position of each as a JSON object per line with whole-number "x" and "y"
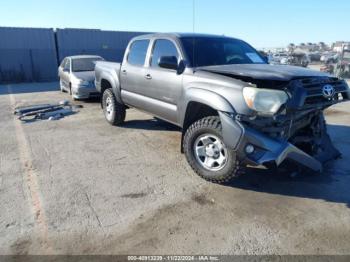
{"x": 113, "y": 110}
{"x": 206, "y": 152}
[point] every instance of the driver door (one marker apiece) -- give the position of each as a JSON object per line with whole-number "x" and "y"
{"x": 163, "y": 85}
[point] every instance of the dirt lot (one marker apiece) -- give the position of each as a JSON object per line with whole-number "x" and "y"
{"x": 78, "y": 185}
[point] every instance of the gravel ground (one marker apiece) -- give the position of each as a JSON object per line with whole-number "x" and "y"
{"x": 80, "y": 186}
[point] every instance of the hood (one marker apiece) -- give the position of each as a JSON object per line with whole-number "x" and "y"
{"x": 264, "y": 71}
{"x": 85, "y": 76}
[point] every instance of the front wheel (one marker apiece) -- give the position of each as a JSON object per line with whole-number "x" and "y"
{"x": 206, "y": 152}
{"x": 113, "y": 110}
{"x": 71, "y": 92}
{"x": 61, "y": 86}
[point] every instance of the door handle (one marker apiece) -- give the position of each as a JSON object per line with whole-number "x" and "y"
{"x": 148, "y": 76}
{"x": 124, "y": 72}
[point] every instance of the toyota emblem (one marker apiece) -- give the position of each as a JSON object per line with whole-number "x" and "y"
{"x": 328, "y": 91}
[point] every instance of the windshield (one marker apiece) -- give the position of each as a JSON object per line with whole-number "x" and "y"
{"x": 84, "y": 64}
{"x": 206, "y": 51}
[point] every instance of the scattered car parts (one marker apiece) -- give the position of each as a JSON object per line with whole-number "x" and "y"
{"x": 46, "y": 111}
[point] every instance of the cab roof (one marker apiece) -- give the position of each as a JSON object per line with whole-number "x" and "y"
{"x": 178, "y": 35}
{"x": 83, "y": 56}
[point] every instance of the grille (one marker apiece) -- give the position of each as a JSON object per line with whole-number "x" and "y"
{"x": 314, "y": 88}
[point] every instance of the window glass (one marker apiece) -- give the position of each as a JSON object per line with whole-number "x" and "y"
{"x": 67, "y": 65}
{"x": 163, "y": 48}
{"x": 138, "y": 52}
{"x": 63, "y": 62}
{"x": 84, "y": 64}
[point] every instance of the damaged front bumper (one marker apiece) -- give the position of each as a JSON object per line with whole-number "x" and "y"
{"x": 255, "y": 148}
{"x": 297, "y": 132}
{"x": 270, "y": 152}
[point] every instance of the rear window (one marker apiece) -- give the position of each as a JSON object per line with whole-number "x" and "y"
{"x": 84, "y": 64}
{"x": 138, "y": 52}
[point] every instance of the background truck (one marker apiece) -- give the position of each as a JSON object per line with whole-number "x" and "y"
{"x": 233, "y": 107}
{"x": 342, "y": 68}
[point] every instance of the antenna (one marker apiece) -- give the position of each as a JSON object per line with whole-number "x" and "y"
{"x": 193, "y": 29}
{"x": 194, "y": 15}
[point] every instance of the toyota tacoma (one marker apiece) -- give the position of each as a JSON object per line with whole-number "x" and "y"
{"x": 234, "y": 109}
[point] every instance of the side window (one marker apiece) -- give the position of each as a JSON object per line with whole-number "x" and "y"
{"x": 161, "y": 48}
{"x": 138, "y": 52}
{"x": 67, "y": 65}
{"x": 63, "y": 62}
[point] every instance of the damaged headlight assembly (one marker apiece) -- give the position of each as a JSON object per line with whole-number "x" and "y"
{"x": 264, "y": 101}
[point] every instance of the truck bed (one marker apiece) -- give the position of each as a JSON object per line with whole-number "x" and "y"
{"x": 102, "y": 68}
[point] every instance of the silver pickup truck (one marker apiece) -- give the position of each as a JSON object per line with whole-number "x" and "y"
{"x": 234, "y": 108}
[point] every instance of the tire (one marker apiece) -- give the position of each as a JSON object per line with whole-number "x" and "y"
{"x": 71, "y": 92}
{"x": 61, "y": 86}
{"x": 204, "y": 129}
{"x": 113, "y": 110}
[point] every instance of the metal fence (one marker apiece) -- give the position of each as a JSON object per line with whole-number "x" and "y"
{"x": 108, "y": 44}
{"x": 33, "y": 54}
{"x": 27, "y": 54}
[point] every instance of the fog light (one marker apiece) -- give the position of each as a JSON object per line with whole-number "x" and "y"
{"x": 249, "y": 149}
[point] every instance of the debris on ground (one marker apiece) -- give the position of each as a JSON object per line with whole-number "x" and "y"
{"x": 46, "y": 111}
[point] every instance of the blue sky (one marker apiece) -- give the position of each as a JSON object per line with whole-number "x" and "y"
{"x": 263, "y": 23}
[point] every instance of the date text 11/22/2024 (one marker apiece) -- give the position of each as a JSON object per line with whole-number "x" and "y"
{"x": 173, "y": 258}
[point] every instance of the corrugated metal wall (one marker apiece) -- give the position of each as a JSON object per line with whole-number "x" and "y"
{"x": 27, "y": 54}
{"x": 33, "y": 54}
{"x": 108, "y": 44}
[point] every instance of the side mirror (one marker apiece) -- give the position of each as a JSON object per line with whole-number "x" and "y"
{"x": 168, "y": 62}
{"x": 65, "y": 70}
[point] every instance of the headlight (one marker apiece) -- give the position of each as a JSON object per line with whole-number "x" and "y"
{"x": 82, "y": 83}
{"x": 85, "y": 83}
{"x": 265, "y": 101}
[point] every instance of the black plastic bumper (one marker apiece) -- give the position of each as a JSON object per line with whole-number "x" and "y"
{"x": 267, "y": 150}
